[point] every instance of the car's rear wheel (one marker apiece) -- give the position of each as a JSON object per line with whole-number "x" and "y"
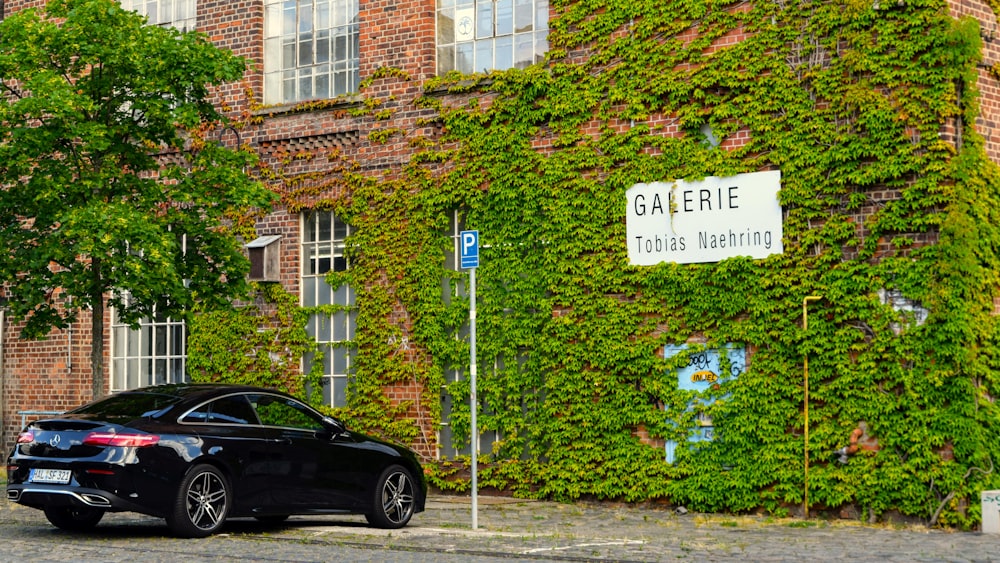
{"x": 395, "y": 498}
{"x": 202, "y": 503}
{"x": 75, "y": 519}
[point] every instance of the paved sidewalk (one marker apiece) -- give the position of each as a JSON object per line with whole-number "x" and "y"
{"x": 522, "y": 529}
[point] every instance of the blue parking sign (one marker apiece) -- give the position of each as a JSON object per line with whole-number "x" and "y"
{"x": 468, "y": 244}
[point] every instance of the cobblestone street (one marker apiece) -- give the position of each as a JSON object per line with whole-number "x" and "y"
{"x": 508, "y": 529}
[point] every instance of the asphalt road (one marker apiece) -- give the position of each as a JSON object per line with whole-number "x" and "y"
{"x": 508, "y": 529}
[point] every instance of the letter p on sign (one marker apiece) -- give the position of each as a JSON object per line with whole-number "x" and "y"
{"x": 469, "y": 246}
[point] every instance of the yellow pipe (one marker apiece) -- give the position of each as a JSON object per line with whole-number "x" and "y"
{"x": 805, "y": 408}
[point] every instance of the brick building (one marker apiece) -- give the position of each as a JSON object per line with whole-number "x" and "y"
{"x": 299, "y": 51}
{"x": 324, "y": 50}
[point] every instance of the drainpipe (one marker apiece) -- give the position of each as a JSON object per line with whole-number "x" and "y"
{"x": 805, "y": 406}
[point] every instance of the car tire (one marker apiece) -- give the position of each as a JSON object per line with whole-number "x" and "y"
{"x": 74, "y": 519}
{"x": 395, "y": 499}
{"x": 202, "y": 503}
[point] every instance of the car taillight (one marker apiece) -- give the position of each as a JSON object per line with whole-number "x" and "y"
{"x": 122, "y": 440}
{"x": 25, "y": 437}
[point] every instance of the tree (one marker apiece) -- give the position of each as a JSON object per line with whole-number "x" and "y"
{"x": 114, "y": 188}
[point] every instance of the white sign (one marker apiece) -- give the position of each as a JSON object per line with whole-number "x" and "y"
{"x": 704, "y": 221}
{"x": 465, "y": 24}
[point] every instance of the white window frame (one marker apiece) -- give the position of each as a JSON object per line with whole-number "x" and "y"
{"x": 181, "y": 14}
{"x": 153, "y": 354}
{"x": 302, "y": 41}
{"x": 485, "y": 35}
{"x": 324, "y": 240}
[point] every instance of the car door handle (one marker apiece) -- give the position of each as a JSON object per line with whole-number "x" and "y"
{"x": 284, "y": 441}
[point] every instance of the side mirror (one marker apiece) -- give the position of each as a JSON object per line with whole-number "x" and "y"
{"x": 335, "y": 427}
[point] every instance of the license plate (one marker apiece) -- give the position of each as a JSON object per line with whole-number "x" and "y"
{"x": 58, "y": 476}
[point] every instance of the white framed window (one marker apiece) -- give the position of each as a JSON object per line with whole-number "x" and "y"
{"x": 310, "y": 49}
{"x": 324, "y": 237}
{"x": 182, "y": 14}
{"x": 485, "y": 35}
{"x": 153, "y": 354}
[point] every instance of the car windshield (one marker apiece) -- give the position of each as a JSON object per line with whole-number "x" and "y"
{"x": 128, "y": 405}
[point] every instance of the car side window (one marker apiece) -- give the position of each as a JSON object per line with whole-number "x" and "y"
{"x": 234, "y": 409}
{"x": 281, "y": 411}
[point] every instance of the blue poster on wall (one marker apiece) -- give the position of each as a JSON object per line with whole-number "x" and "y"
{"x": 703, "y": 372}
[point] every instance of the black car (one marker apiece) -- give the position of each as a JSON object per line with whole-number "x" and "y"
{"x": 198, "y": 454}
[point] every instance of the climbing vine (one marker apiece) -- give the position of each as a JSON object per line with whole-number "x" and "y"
{"x": 255, "y": 345}
{"x": 892, "y": 222}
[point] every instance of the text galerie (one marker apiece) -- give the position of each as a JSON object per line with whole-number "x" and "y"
{"x": 697, "y": 200}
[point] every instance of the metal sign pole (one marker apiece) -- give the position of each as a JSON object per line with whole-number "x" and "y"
{"x": 469, "y": 251}
{"x": 473, "y": 403}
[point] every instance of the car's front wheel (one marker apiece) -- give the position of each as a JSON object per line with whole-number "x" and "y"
{"x": 75, "y": 519}
{"x": 202, "y": 503}
{"x": 395, "y": 498}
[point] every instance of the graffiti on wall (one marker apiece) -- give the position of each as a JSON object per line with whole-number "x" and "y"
{"x": 704, "y": 371}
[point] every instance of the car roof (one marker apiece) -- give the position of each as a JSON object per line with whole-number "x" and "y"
{"x": 203, "y": 390}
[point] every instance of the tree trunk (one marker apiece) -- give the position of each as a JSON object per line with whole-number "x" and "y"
{"x": 97, "y": 331}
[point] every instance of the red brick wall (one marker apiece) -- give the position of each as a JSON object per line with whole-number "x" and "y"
{"x": 52, "y": 374}
{"x": 988, "y": 124}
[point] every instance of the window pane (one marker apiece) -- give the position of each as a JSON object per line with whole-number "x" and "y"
{"x": 324, "y": 292}
{"x": 505, "y": 17}
{"x": 324, "y": 220}
{"x": 446, "y": 27}
{"x": 484, "y": 19}
{"x": 308, "y": 291}
{"x": 305, "y": 87}
{"x": 340, "y": 360}
{"x": 446, "y": 59}
{"x": 160, "y": 372}
{"x": 339, "y": 263}
{"x": 541, "y": 14}
{"x": 322, "y": 15}
{"x": 340, "y": 295}
{"x": 305, "y": 17}
{"x": 118, "y": 375}
{"x": 288, "y": 20}
{"x": 178, "y": 372}
{"x": 484, "y": 56}
{"x": 323, "y": 50}
{"x": 523, "y": 16}
{"x": 325, "y": 327}
{"x": 161, "y": 340}
{"x": 288, "y": 55}
{"x": 463, "y": 57}
{"x": 305, "y": 51}
{"x": 504, "y": 55}
{"x": 323, "y": 86}
{"x": 339, "y": 326}
{"x": 340, "y": 391}
{"x": 340, "y": 230}
{"x": 524, "y": 51}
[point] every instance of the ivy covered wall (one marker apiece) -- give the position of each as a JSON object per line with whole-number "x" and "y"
{"x": 889, "y": 215}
